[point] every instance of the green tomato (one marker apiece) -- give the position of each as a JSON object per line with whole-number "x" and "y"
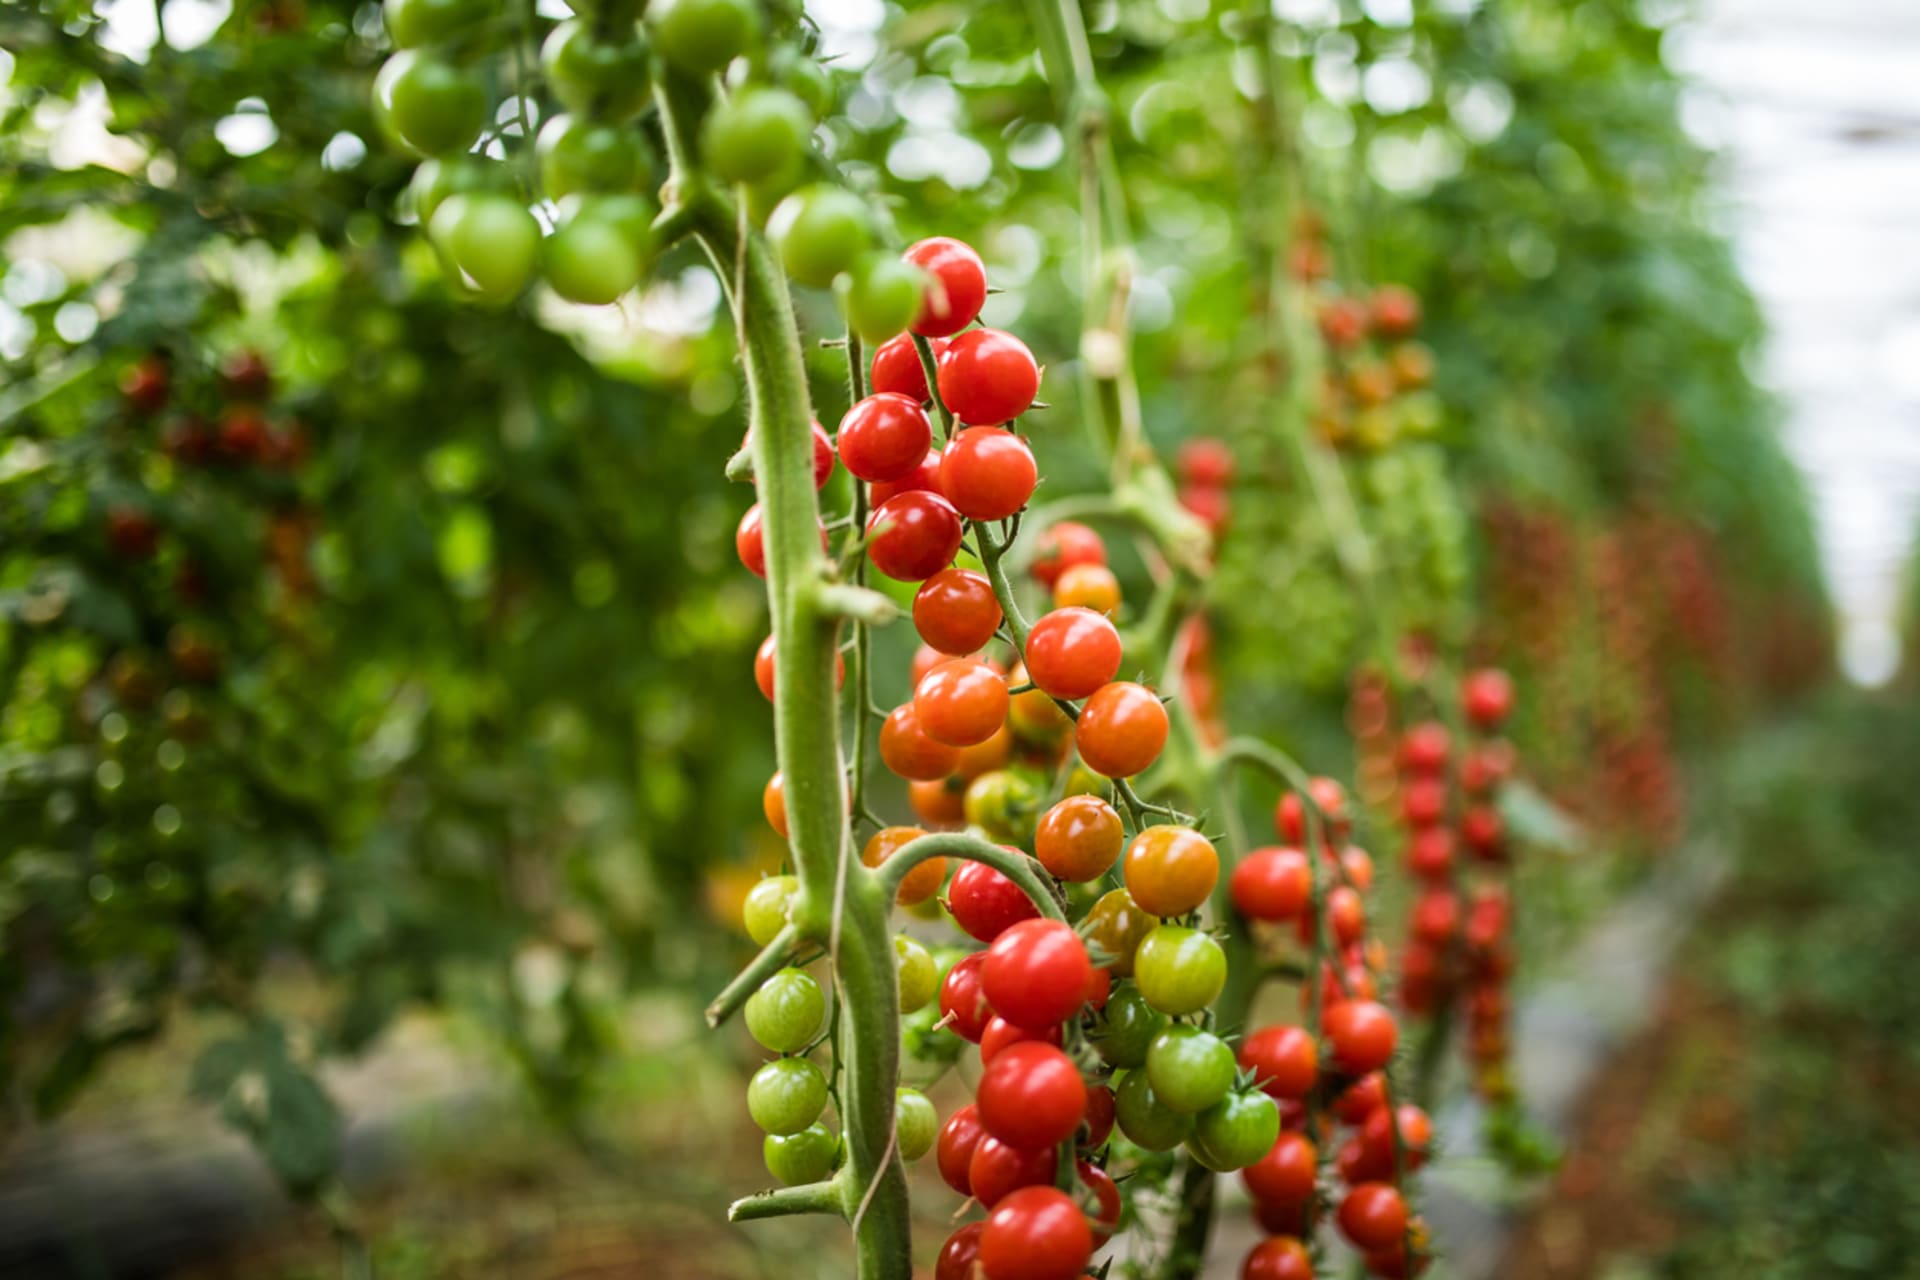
{"x": 578, "y": 154}
{"x": 1005, "y": 805}
{"x": 919, "y": 975}
{"x": 806, "y": 79}
{"x": 820, "y": 231}
{"x": 418, "y": 22}
{"x": 433, "y": 105}
{"x": 491, "y": 239}
{"x": 699, "y": 37}
{"x": 806, "y": 1156}
{"x": 1144, "y": 1118}
{"x": 1190, "y": 1069}
{"x": 923, "y": 1039}
{"x": 757, "y": 135}
{"x": 915, "y": 1123}
{"x": 435, "y": 180}
{"x": 786, "y": 1095}
{"x": 591, "y": 261}
{"x": 1179, "y": 970}
{"x": 606, "y": 79}
{"x": 1126, "y": 1028}
{"x": 884, "y": 296}
{"x": 1235, "y": 1132}
{"x": 766, "y": 907}
{"x": 785, "y": 1014}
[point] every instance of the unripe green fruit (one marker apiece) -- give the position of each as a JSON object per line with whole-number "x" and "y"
{"x": 807, "y": 1156}
{"x": 1145, "y": 1119}
{"x": 435, "y": 180}
{"x": 491, "y": 239}
{"x": 434, "y": 106}
{"x": 806, "y": 79}
{"x": 1235, "y": 1132}
{"x": 787, "y": 1095}
{"x": 606, "y": 79}
{"x": 1127, "y": 1028}
{"x": 915, "y": 1123}
{"x": 919, "y": 976}
{"x": 1179, "y": 970}
{"x": 786, "y": 1013}
{"x": 591, "y": 261}
{"x": 581, "y": 155}
{"x": 699, "y": 37}
{"x": 418, "y": 22}
{"x": 765, "y": 910}
{"x": 1190, "y": 1069}
{"x": 820, "y": 231}
{"x": 757, "y": 135}
{"x": 884, "y": 296}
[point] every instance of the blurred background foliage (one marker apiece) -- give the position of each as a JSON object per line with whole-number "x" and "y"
{"x": 433, "y": 682}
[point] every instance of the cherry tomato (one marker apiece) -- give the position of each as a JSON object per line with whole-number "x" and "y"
{"x": 896, "y": 367}
{"x": 146, "y": 384}
{"x": 1000, "y": 1033}
{"x": 1272, "y": 884}
{"x": 987, "y": 473}
{"x": 1034, "y": 717}
{"x": 908, "y": 750}
{"x": 490, "y": 238}
{"x": 987, "y": 377}
{"x": 822, "y": 454}
{"x": 773, "y": 803}
{"x": 764, "y": 913}
{"x": 1487, "y": 697}
{"x": 1396, "y": 310}
{"x": 1117, "y": 925}
{"x": 786, "y": 1095}
{"x": 953, "y": 1150}
{"x": 605, "y": 75}
{"x": 1037, "y": 974}
{"x": 1283, "y": 1059}
{"x": 1087, "y": 586}
{"x": 749, "y": 541}
{"x": 763, "y": 669}
{"x": 1436, "y": 916}
{"x": 962, "y": 1001}
{"x": 1361, "y": 1098}
{"x": 959, "y": 1254}
{"x": 797, "y": 1158}
{"x": 589, "y": 260}
{"x": 1362, "y": 1035}
{"x": 1170, "y": 870}
{"x": 435, "y": 106}
{"x": 1375, "y": 1162}
{"x": 1105, "y": 1194}
{"x": 1285, "y": 1219}
{"x": 1486, "y": 767}
{"x": 757, "y": 133}
{"x": 1346, "y": 915}
{"x": 1278, "y": 1258}
{"x": 786, "y": 1012}
{"x": 919, "y": 975}
{"x": 955, "y": 611}
{"x": 1287, "y": 1174}
{"x": 920, "y": 883}
{"x": 820, "y": 231}
{"x": 1205, "y": 461}
{"x": 958, "y": 287}
{"x": 1078, "y": 839}
{"x": 1121, "y": 730}
{"x": 913, "y": 536}
{"x": 417, "y": 22}
{"x": 1146, "y": 1120}
{"x": 1031, "y": 1095}
{"x": 985, "y": 903}
{"x": 1064, "y": 545}
{"x": 982, "y": 758}
{"x": 1423, "y": 802}
{"x": 1179, "y": 970}
{"x": 1374, "y": 1216}
{"x": 1483, "y": 830}
{"x": 1430, "y": 853}
{"x": 1126, "y": 1033}
{"x": 1036, "y": 1233}
{"x": 1190, "y": 1069}
{"x": 1424, "y": 748}
{"x": 936, "y": 803}
{"x": 883, "y": 296}
{"x": 700, "y": 37}
{"x": 1235, "y": 1132}
{"x": 1357, "y": 865}
{"x": 1289, "y": 815}
{"x": 961, "y": 703}
{"x": 884, "y": 437}
{"x": 1099, "y": 1122}
{"x": 925, "y": 478}
{"x": 999, "y": 1168}
{"x": 1072, "y": 652}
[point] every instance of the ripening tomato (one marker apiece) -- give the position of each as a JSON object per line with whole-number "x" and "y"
{"x": 1190, "y": 1069}
{"x": 1036, "y": 1233}
{"x": 913, "y": 536}
{"x": 1280, "y": 1257}
{"x": 1362, "y": 1035}
{"x": 1486, "y": 696}
{"x": 896, "y": 367}
{"x": 937, "y": 803}
{"x": 961, "y": 703}
{"x": 1272, "y": 884}
{"x": 1356, "y": 864}
{"x": 1373, "y": 1216}
{"x": 908, "y": 750}
{"x": 820, "y": 232}
{"x": 961, "y": 1251}
{"x": 1170, "y": 870}
{"x": 884, "y": 437}
{"x": 998, "y": 1168}
{"x": 763, "y": 668}
{"x": 1031, "y": 1095}
{"x": 925, "y": 478}
{"x": 1037, "y": 974}
{"x": 1072, "y": 652}
{"x": 1290, "y": 818}
{"x": 773, "y": 803}
{"x": 1117, "y": 925}
{"x": 1235, "y": 1132}
{"x": 1146, "y": 1120}
{"x": 1179, "y": 970}
{"x": 987, "y": 473}
{"x": 1121, "y": 730}
{"x": 1284, "y": 1060}
{"x": 1288, "y": 1172}
{"x": 1343, "y": 321}
{"x": 985, "y": 903}
{"x": 955, "y": 611}
{"x": 1064, "y": 545}
{"x": 987, "y": 377}
{"x": 982, "y": 758}
{"x": 1035, "y": 718}
{"x": 764, "y": 913}
{"x": 957, "y": 288}
{"x": 962, "y": 1001}
{"x": 1088, "y": 586}
{"x": 1078, "y": 839}
{"x": 953, "y": 1150}
{"x": 1396, "y": 311}
{"x": 920, "y": 883}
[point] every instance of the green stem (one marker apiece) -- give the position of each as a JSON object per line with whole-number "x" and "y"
{"x": 812, "y": 1197}
{"x": 1017, "y": 867}
{"x": 772, "y": 958}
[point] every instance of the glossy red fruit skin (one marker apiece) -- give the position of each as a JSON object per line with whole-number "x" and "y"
{"x": 1037, "y": 1233}
{"x": 999, "y": 1169}
{"x": 822, "y": 454}
{"x": 1000, "y": 1034}
{"x": 1287, "y": 1173}
{"x": 987, "y": 377}
{"x": 925, "y": 477}
{"x": 1362, "y": 1035}
{"x": 1031, "y": 1096}
{"x": 1430, "y": 853}
{"x": 907, "y": 750}
{"x": 957, "y": 290}
{"x": 1272, "y": 884}
{"x": 953, "y": 1151}
{"x": 763, "y": 669}
{"x": 959, "y": 1253}
{"x": 1037, "y": 974}
{"x": 1106, "y": 1194}
{"x": 985, "y": 903}
{"x": 1373, "y": 1216}
{"x": 884, "y": 437}
{"x": 1361, "y": 1099}
{"x": 1283, "y": 1059}
{"x": 749, "y": 540}
{"x": 955, "y": 611}
{"x": 914, "y": 536}
{"x": 987, "y": 473}
{"x": 961, "y": 702}
{"x": 1072, "y": 652}
{"x": 1278, "y": 1258}
{"x": 963, "y": 1002}
{"x": 1423, "y": 802}
{"x": 1064, "y": 545}
{"x": 1486, "y": 696}
{"x": 1376, "y": 1140}
{"x": 896, "y": 367}
{"x": 1436, "y": 916}
{"x": 1290, "y": 816}
{"x": 1424, "y": 748}
{"x": 1122, "y": 730}
{"x": 1100, "y": 1115}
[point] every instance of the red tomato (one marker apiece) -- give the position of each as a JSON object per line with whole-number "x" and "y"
{"x": 1362, "y": 1035}
{"x": 1278, "y": 1258}
{"x": 896, "y": 367}
{"x": 956, "y": 289}
{"x": 822, "y": 454}
{"x": 998, "y": 1169}
{"x": 1284, "y": 1060}
{"x": 987, "y": 377}
{"x": 1072, "y": 652}
{"x": 1000, "y": 1033}
{"x": 1121, "y": 730}
{"x": 1290, "y": 818}
{"x": 925, "y": 478}
{"x": 1396, "y": 311}
{"x": 1423, "y": 802}
{"x": 1037, "y": 974}
{"x": 884, "y": 437}
{"x": 986, "y": 903}
{"x": 763, "y": 668}
{"x": 1430, "y": 853}
{"x": 1106, "y": 1195}
{"x": 962, "y": 1001}
{"x": 909, "y": 751}
{"x": 1287, "y": 1174}
{"x": 961, "y": 702}
{"x": 1424, "y": 748}
{"x": 1272, "y": 884}
{"x": 955, "y": 611}
{"x": 913, "y": 536}
{"x": 1483, "y": 830}
{"x": 1205, "y": 461}
{"x": 749, "y": 541}
{"x": 959, "y": 1253}
{"x": 953, "y": 1152}
{"x": 987, "y": 473}
{"x": 1037, "y": 1233}
{"x": 1373, "y": 1216}
{"x": 1031, "y": 1096}
{"x": 1100, "y": 1114}
{"x": 1436, "y": 916}
{"x": 1064, "y": 545}
{"x": 1487, "y": 697}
